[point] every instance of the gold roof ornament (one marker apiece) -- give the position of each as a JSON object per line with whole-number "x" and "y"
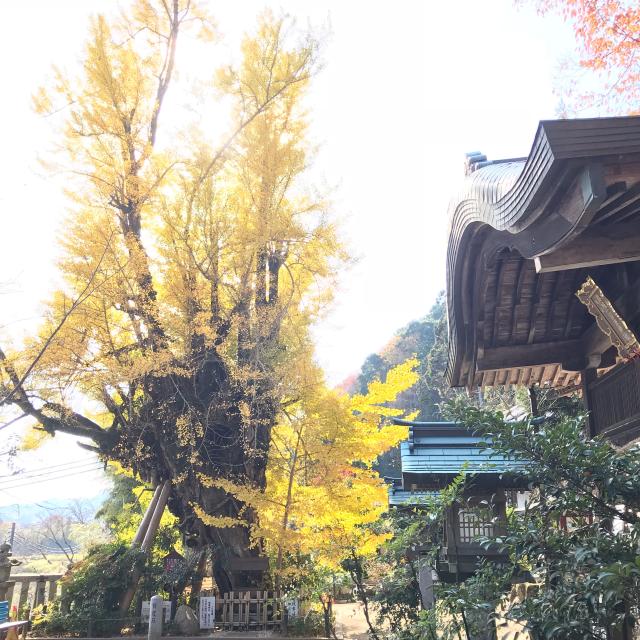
{"x": 609, "y": 320}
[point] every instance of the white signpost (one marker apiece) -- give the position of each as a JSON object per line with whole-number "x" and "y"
{"x": 155, "y": 617}
{"x": 166, "y": 611}
{"x": 207, "y": 612}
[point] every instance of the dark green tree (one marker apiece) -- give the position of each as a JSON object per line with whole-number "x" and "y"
{"x": 578, "y": 536}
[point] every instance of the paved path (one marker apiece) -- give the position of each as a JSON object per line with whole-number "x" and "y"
{"x": 350, "y": 622}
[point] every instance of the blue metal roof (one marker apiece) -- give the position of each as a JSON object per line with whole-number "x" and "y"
{"x": 449, "y": 448}
{"x": 399, "y": 497}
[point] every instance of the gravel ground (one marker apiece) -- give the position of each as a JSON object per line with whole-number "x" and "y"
{"x": 350, "y": 622}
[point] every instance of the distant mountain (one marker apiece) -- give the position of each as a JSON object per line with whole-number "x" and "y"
{"x": 27, "y": 514}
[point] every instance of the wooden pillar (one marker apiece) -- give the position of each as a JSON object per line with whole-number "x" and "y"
{"x": 154, "y": 521}
{"x": 40, "y": 596}
{"x": 144, "y": 523}
{"x": 587, "y": 376}
{"x": 53, "y": 590}
{"x": 533, "y": 401}
{"x": 147, "y": 542}
{"x": 64, "y": 599}
{"x": 500, "y": 511}
{"x": 24, "y": 593}
{"x": 9, "y": 594}
{"x": 452, "y": 535}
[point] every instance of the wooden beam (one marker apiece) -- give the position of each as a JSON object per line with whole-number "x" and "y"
{"x": 529, "y": 355}
{"x": 617, "y": 204}
{"x": 602, "y": 245}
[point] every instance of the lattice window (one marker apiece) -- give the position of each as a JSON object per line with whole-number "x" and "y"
{"x": 472, "y": 524}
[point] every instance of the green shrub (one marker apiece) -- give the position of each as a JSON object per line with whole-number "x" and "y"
{"x": 92, "y": 590}
{"x": 309, "y": 626}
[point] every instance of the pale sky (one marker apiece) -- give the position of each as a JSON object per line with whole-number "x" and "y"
{"x": 409, "y": 86}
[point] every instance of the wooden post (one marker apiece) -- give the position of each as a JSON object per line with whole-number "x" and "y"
{"x": 147, "y": 542}
{"x": 53, "y": 590}
{"x": 64, "y": 599}
{"x": 39, "y": 597}
{"x": 154, "y": 521}
{"x": 587, "y": 376}
{"x": 9, "y": 595}
{"x": 452, "y": 536}
{"x": 533, "y": 400}
{"x": 247, "y": 606}
{"x": 500, "y": 512}
{"x": 24, "y": 592}
{"x": 144, "y": 523}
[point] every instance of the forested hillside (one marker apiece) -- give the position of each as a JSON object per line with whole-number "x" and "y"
{"x": 425, "y": 339}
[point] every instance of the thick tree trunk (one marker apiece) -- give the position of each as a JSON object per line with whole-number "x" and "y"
{"x": 197, "y": 579}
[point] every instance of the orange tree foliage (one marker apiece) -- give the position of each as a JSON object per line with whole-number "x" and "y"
{"x": 608, "y": 38}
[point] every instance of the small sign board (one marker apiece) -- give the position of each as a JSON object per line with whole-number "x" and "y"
{"x": 293, "y": 607}
{"x": 207, "y": 606}
{"x": 171, "y": 561}
{"x": 166, "y": 611}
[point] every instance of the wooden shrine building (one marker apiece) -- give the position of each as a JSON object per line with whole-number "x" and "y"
{"x": 436, "y": 453}
{"x": 543, "y": 270}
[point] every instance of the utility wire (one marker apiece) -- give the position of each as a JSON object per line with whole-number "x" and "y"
{"x": 71, "y": 463}
{"x": 37, "y": 547}
{"x": 18, "y": 477}
{"x": 46, "y": 546}
{"x": 42, "y": 477}
{"x": 49, "y": 478}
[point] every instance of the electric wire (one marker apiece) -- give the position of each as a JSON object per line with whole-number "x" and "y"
{"x": 71, "y": 463}
{"x": 42, "y": 477}
{"x": 50, "y": 478}
{"x": 32, "y": 546}
{"x": 19, "y": 476}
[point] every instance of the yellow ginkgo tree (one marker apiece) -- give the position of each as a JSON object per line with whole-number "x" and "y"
{"x": 322, "y": 491}
{"x": 192, "y": 264}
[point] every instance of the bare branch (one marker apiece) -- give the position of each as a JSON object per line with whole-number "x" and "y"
{"x": 82, "y": 296}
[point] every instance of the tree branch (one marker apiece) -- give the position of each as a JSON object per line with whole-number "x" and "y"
{"x": 82, "y": 296}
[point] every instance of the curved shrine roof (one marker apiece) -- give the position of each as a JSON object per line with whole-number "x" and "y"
{"x": 581, "y": 181}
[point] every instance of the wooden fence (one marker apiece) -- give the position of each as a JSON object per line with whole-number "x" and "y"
{"x": 244, "y": 610}
{"x": 31, "y": 590}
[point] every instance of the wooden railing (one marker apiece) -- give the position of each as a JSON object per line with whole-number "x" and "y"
{"x": 32, "y": 590}
{"x": 244, "y": 610}
{"x": 615, "y": 403}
